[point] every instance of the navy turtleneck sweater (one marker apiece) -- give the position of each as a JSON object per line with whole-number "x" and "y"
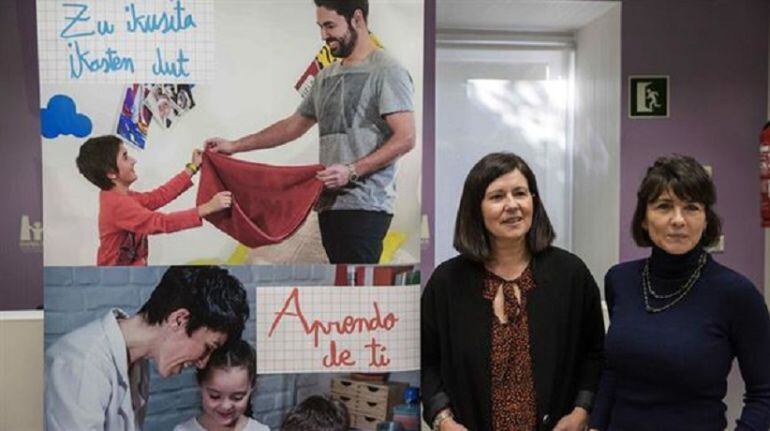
{"x": 668, "y": 370}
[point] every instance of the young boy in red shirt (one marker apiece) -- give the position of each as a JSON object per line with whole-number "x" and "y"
{"x": 126, "y": 217}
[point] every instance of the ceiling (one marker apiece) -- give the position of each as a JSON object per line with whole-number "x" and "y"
{"x": 519, "y": 15}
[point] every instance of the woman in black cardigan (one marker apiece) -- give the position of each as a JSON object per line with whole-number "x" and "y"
{"x": 512, "y": 331}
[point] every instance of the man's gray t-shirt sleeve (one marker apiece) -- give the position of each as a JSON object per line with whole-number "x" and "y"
{"x": 396, "y": 91}
{"x": 307, "y": 106}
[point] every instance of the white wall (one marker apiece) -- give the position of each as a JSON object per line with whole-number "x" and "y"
{"x": 596, "y": 167}
{"x": 261, "y": 49}
{"x": 21, "y": 370}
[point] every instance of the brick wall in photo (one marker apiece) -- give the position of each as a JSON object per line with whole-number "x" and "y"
{"x": 75, "y": 296}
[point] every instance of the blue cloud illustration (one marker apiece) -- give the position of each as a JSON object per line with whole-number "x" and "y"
{"x": 60, "y": 117}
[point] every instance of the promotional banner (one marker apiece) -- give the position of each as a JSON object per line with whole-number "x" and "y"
{"x": 165, "y": 77}
{"x": 21, "y": 219}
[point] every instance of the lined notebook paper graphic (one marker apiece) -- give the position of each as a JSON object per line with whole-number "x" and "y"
{"x": 338, "y": 328}
{"x": 125, "y": 41}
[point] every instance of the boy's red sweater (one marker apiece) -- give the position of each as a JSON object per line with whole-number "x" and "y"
{"x": 126, "y": 220}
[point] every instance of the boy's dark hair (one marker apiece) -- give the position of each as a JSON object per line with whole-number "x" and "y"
{"x": 215, "y": 299}
{"x": 97, "y": 157}
{"x": 232, "y": 355}
{"x": 471, "y": 238}
{"x": 686, "y": 179}
{"x": 346, "y": 8}
{"x": 318, "y": 413}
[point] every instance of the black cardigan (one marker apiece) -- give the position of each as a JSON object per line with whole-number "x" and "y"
{"x": 566, "y": 339}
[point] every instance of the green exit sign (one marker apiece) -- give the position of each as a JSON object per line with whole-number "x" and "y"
{"x": 648, "y": 96}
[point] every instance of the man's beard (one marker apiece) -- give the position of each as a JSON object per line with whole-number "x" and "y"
{"x": 345, "y": 45}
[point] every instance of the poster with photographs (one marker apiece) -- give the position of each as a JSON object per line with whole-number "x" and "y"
{"x": 135, "y": 116}
{"x": 168, "y": 102}
{"x": 256, "y": 63}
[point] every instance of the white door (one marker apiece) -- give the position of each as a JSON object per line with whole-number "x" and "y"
{"x": 515, "y": 99}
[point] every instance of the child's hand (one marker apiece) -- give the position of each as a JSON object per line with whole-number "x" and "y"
{"x": 197, "y": 157}
{"x": 220, "y": 201}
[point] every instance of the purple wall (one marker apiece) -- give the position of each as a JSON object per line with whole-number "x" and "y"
{"x": 429, "y": 135}
{"x": 21, "y": 261}
{"x": 716, "y": 53}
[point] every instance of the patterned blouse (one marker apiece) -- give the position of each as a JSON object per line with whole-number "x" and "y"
{"x": 513, "y": 390}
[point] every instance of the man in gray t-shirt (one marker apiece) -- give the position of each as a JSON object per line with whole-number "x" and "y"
{"x": 364, "y": 110}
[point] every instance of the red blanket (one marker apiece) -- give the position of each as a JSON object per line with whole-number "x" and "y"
{"x": 269, "y": 202}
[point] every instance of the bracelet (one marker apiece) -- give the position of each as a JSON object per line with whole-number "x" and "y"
{"x": 192, "y": 167}
{"x": 441, "y": 417}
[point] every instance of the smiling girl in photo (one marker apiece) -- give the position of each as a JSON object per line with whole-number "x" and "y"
{"x": 226, "y": 384}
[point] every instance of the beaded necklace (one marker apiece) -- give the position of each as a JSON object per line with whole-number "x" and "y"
{"x": 677, "y": 295}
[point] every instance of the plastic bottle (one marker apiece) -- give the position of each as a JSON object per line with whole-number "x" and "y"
{"x": 408, "y": 414}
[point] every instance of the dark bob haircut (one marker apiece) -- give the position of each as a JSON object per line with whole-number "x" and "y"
{"x": 97, "y": 157}
{"x": 235, "y": 354}
{"x": 687, "y": 179}
{"x": 345, "y": 8}
{"x": 471, "y": 238}
{"x": 317, "y": 413}
{"x": 215, "y": 299}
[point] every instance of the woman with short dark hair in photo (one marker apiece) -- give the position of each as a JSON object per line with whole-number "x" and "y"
{"x": 97, "y": 376}
{"x": 678, "y": 318}
{"x": 512, "y": 330}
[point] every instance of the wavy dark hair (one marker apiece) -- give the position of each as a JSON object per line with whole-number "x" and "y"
{"x": 689, "y": 181}
{"x": 232, "y": 355}
{"x": 215, "y": 299}
{"x": 346, "y": 8}
{"x": 97, "y": 157}
{"x": 471, "y": 238}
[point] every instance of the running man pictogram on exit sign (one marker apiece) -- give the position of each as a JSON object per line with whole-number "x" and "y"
{"x": 648, "y": 97}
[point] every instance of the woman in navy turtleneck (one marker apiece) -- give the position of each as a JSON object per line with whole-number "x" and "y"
{"x": 678, "y": 318}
